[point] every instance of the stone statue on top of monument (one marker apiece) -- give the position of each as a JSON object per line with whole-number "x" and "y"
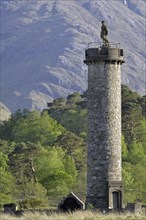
{"x": 104, "y": 34}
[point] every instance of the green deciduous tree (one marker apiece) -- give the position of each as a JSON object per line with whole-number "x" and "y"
{"x": 6, "y": 126}
{"x": 136, "y": 153}
{"x": 32, "y": 196}
{"x": 134, "y": 182}
{"x": 7, "y": 147}
{"x": 124, "y": 149}
{"x": 37, "y": 128}
{"x": 7, "y": 185}
{"x": 56, "y": 171}
{"x": 75, "y": 121}
{"x": 59, "y": 103}
{"x": 33, "y": 127}
{"x": 28, "y": 191}
{"x": 128, "y": 181}
{"x": 73, "y": 99}
{"x": 74, "y": 146}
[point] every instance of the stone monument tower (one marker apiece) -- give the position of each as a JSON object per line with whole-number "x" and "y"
{"x": 104, "y": 176}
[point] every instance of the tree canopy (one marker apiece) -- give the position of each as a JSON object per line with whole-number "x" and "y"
{"x": 43, "y": 155}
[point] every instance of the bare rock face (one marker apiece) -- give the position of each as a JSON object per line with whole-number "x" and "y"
{"x": 4, "y": 112}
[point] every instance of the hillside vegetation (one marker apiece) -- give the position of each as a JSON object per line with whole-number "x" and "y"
{"x": 43, "y": 155}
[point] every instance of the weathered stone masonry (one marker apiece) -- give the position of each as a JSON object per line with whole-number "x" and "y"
{"x": 104, "y": 176}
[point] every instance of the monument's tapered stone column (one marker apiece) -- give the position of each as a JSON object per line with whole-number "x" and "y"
{"x": 104, "y": 176}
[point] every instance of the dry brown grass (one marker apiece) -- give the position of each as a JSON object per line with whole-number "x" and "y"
{"x": 80, "y": 215}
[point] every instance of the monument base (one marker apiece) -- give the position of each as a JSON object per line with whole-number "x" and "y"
{"x": 100, "y": 203}
{"x": 112, "y": 201}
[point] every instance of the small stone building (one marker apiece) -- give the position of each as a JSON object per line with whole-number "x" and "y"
{"x": 71, "y": 203}
{"x": 136, "y": 207}
{"x": 10, "y": 208}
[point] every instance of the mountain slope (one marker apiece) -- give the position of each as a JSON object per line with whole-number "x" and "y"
{"x": 4, "y": 112}
{"x": 43, "y": 44}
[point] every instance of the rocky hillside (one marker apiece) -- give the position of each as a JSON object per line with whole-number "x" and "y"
{"x": 4, "y": 112}
{"x": 43, "y": 44}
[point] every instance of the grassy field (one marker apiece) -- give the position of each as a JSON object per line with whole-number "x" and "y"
{"x": 85, "y": 215}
